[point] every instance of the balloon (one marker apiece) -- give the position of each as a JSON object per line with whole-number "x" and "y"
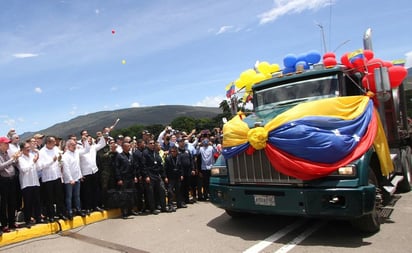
{"x": 358, "y": 64}
{"x": 368, "y": 82}
{"x": 329, "y": 62}
{"x": 288, "y": 70}
{"x": 123, "y": 61}
{"x": 113, "y": 31}
{"x": 263, "y": 67}
{"x": 301, "y": 57}
{"x": 374, "y": 63}
{"x": 396, "y": 75}
{"x": 301, "y": 65}
{"x": 313, "y": 57}
{"x": 259, "y": 77}
{"x": 239, "y": 83}
{"x": 247, "y": 76}
{"x": 289, "y": 60}
{"x": 345, "y": 61}
{"x": 387, "y": 64}
{"x": 368, "y": 54}
{"x": 274, "y": 68}
{"x": 329, "y": 55}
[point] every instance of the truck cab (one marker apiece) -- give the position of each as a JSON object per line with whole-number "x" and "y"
{"x": 358, "y": 191}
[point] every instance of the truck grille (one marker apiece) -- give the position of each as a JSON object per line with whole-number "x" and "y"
{"x": 256, "y": 168}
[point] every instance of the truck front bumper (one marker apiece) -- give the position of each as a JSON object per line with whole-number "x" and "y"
{"x": 344, "y": 203}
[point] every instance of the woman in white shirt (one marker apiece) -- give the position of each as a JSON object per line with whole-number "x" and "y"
{"x": 29, "y": 183}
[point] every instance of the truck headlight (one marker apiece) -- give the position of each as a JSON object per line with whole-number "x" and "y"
{"x": 348, "y": 170}
{"x": 218, "y": 171}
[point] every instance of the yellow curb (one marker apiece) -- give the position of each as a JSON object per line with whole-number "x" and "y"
{"x": 39, "y": 230}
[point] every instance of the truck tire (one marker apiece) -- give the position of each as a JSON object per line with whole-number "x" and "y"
{"x": 236, "y": 214}
{"x": 405, "y": 184}
{"x": 371, "y": 222}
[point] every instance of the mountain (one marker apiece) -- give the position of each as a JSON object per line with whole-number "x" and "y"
{"x": 94, "y": 122}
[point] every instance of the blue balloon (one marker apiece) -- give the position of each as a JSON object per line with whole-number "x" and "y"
{"x": 313, "y": 57}
{"x": 288, "y": 70}
{"x": 302, "y": 63}
{"x": 301, "y": 57}
{"x": 289, "y": 60}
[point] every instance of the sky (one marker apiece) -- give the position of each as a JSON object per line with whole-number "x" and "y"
{"x": 63, "y": 59}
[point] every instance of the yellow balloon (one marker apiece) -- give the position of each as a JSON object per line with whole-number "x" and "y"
{"x": 239, "y": 83}
{"x": 264, "y": 67}
{"x": 123, "y": 61}
{"x": 259, "y": 77}
{"x": 274, "y": 68}
{"x": 247, "y": 76}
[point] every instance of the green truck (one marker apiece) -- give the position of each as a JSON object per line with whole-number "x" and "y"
{"x": 299, "y": 153}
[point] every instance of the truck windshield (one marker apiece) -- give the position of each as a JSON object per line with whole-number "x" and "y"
{"x": 293, "y": 93}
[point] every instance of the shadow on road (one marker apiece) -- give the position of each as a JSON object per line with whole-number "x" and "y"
{"x": 334, "y": 233}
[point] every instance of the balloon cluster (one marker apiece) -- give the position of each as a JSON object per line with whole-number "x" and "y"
{"x": 263, "y": 70}
{"x": 293, "y": 62}
{"x": 364, "y": 62}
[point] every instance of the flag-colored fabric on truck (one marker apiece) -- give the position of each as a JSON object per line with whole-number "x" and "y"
{"x": 313, "y": 139}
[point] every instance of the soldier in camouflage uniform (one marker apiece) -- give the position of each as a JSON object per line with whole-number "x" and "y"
{"x": 105, "y": 159}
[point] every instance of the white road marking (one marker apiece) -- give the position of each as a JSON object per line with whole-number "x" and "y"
{"x": 276, "y": 236}
{"x": 305, "y": 234}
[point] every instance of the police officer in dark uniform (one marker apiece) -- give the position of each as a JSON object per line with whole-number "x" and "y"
{"x": 153, "y": 174}
{"x": 138, "y": 161}
{"x": 188, "y": 167}
{"x": 125, "y": 174}
{"x": 174, "y": 177}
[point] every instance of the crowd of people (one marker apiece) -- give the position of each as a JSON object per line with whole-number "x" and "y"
{"x": 47, "y": 178}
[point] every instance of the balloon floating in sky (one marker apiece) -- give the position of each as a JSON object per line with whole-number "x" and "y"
{"x": 123, "y": 61}
{"x": 113, "y": 31}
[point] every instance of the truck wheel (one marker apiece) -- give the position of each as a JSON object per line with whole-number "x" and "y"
{"x": 371, "y": 222}
{"x": 405, "y": 184}
{"x": 235, "y": 214}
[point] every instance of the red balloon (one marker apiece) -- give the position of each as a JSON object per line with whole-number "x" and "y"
{"x": 329, "y": 55}
{"x": 359, "y": 64}
{"x": 368, "y": 82}
{"x": 329, "y": 62}
{"x": 374, "y": 63}
{"x": 345, "y": 61}
{"x": 396, "y": 75}
{"x": 113, "y": 31}
{"x": 387, "y": 64}
{"x": 368, "y": 54}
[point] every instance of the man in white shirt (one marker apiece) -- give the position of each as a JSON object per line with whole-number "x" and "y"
{"x": 71, "y": 178}
{"x": 90, "y": 189}
{"x": 49, "y": 162}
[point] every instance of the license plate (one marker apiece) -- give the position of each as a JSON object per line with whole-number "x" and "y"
{"x": 264, "y": 200}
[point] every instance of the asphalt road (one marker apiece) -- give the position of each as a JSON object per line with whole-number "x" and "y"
{"x": 204, "y": 228}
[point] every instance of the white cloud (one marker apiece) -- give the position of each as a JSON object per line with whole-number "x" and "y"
{"x": 38, "y": 90}
{"x": 25, "y": 55}
{"x": 284, "y": 7}
{"x": 10, "y": 122}
{"x": 211, "y": 101}
{"x": 224, "y": 29}
{"x": 135, "y": 104}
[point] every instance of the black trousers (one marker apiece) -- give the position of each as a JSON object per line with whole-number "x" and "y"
{"x": 31, "y": 198}
{"x": 90, "y": 191}
{"x": 156, "y": 193}
{"x": 174, "y": 187}
{"x": 54, "y": 195}
{"x": 8, "y": 186}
